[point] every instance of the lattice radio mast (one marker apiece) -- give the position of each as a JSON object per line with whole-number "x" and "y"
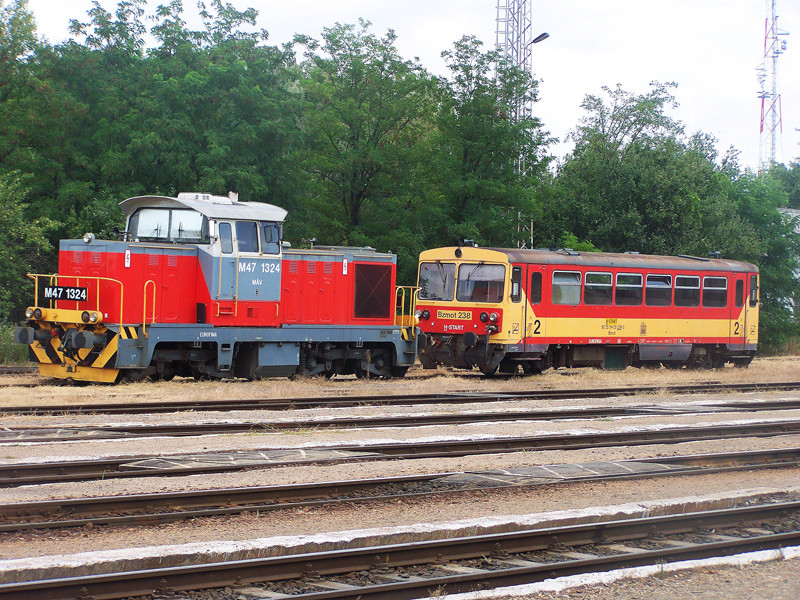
{"x": 514, "y": 41}
{"x": 767, "y": 73}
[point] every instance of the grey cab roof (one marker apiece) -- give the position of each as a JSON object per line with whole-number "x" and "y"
{"x": 213, "y": 207}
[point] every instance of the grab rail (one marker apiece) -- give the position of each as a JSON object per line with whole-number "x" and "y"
{"x": 54, "y": 277}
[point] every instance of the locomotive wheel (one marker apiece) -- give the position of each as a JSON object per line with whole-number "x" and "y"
{"x": 488, "y": 371}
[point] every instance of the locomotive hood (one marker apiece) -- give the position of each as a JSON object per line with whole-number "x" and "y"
{"x": 213, "y": 207}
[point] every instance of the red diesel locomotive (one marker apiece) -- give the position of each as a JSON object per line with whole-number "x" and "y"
{"x": 205, "y": 286}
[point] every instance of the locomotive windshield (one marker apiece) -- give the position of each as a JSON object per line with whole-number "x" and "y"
{"x": 481, "y": 283}
{"x": 437, "y": 281}
{"x": 173, "y": 225}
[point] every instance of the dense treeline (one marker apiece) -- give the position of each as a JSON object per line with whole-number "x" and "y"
{"x": 361, "y": 145}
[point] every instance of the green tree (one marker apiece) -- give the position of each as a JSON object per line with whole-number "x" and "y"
{"x": 490, "y": 161}
{"x": 22, "y": 247}
{"x": 364, "y": 128}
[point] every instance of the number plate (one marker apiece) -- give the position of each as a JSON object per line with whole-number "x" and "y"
{"x": 63, "y": 292}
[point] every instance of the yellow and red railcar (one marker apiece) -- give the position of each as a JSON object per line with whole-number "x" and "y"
{"x": 508, "y": 309}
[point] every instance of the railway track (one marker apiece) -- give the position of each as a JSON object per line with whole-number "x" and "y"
{"x": 91, "y": 432}
{"x": 229, "y": 405}
{"x": 452, "y": 564}
{"x": 127, "y": 510}
{"x": 118, "y": 467}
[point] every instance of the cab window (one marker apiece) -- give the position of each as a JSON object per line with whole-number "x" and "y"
{"x": 247, "y": 236}
{"x": 480, "y": 283}
{"x": 753, "y": 290}
{"x": 270, "y": 238}
{"x": 225, "y": 238}
{"x": 169, "y": 225}
{"x": 437, "y": 281}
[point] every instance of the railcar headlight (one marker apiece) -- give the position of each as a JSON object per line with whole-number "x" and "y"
{"x": 85, "y": 316}
{"x": 29, "y": 313}
{"x": 493, "y": 317}
{"x": 418, "y": 313}
{"x": 37, "y": 313}
{"x": 484, "y": 317}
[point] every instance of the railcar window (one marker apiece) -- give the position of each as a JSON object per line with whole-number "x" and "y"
{"x": 597, "y": 289}
{"x": 715, "y": 292}
{"x": 535, "y": 291}
{"x": 687, "y": 290}
{"x": 658, "y": 290}
{"x": 566, "y": 287}
{"x": 270, "y": 238}
{"x": 480, "y": 283}
{"x": 247, "y": 236}
{"x": 629, "y": 289}
{"x": 753, "y": 290}
{"x": 739, "y": 295}
{"x": 225, "y": 238}
{"x": 437, "y": 281}
{"x": 516, "y": 284}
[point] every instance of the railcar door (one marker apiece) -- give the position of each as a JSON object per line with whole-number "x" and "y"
{"x": 738, "y": 321}
{"x": 535, "y": 280}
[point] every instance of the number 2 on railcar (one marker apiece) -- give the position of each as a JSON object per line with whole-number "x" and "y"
{"x": 204, "y": 286}
{"x": 512, "y": 309}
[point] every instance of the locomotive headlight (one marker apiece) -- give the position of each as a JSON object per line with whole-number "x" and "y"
{"x": 493, "y": 317}
{"x": 484, "y": 317}
{"x": 426, "y": 314}
{"x": 88, "y": 238}
{"x": 29, "y": 313}
{"x": 418, "y": 313}
{"x": 37, "y": 313}
{"x": 85, "y": 316}
{"x": 93, "y": 317}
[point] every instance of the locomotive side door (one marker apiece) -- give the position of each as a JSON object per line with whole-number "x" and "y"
{"x": 225, "y": 273}
{"x": 534, "y": 319}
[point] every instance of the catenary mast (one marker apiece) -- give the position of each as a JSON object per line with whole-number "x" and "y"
{"x": 767, "y": 73}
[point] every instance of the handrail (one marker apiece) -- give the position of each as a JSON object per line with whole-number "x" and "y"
{"x": 144, "y": 306}
{"x": 77, "y": 278}
{"x": 406, "y": 319}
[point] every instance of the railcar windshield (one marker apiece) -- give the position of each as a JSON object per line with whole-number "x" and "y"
{"x": 437, "y": 281}
{"x": 169, "y": 225}
{"x": 480, "y": 283}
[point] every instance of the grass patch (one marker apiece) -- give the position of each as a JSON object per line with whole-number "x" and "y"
{"x": 11, "y": 353}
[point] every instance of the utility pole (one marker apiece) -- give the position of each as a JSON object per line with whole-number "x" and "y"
{"x": 767, "y": 73}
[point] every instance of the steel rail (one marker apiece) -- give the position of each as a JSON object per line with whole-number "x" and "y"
{"x": 401, "y": 555}
{"x": 391, "y": 400}
{"x": 92, "y": 432}
{"x": 79, "y": 512}
{"x": 82, "y": 470}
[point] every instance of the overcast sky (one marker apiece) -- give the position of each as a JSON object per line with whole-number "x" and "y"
{"x": 710, "y": 48}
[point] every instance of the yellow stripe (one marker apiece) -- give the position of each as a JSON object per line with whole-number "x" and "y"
{"x": 108, "y": 352}
{"x": 78, "y": 373}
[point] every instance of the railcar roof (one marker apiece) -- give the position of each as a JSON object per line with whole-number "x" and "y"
{"x": 610, "y": 259}
{"x": 213, "y": 207}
